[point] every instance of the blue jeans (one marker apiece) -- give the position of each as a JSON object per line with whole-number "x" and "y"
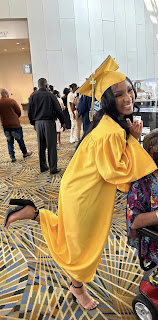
{"x": 17, "y": 134}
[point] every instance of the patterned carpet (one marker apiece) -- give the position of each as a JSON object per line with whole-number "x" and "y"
{"x": 32, "y": 286}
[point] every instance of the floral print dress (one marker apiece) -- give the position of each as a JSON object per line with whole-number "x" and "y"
{"x": 142, "y": 197}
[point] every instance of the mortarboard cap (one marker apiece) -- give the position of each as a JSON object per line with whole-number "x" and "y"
{"x": 105, "y": 76}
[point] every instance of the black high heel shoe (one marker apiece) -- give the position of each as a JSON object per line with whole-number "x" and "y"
{"x": 20, "y": 204}
{"x": 75, "y": 299}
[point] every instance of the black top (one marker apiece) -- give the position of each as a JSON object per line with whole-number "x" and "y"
{"x": 44, "y": 105}
{"x": 65, "y": 101}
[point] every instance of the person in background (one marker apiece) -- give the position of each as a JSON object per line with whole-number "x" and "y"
{"x": 51, "y": 88}
{"x": 58, "y": 95}
{"x": 71, "y": 109}
{"x": 83, "y": 109}
{"x": 9, "y": 114}
{"x": 109, "y": 155}
{"x": 142, "y": 203}
{"x": 59, "y": 129}
{"x": 78, "y": 119}
{"x": 65, "y": 111}
{"x": 43, "y": 110}
{"x": 35, "y": 89}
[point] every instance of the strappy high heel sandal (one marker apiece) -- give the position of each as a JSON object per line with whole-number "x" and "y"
{"x": 20, "y": 204}
{"x": 75, "y": 299}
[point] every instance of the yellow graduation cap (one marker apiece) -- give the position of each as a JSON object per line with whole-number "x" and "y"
{"x": 103, "y": 78}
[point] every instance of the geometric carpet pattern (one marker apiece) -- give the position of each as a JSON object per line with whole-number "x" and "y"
{"x": 32, "y": 285}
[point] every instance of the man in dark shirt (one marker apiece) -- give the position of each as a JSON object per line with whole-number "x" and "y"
{"x": 9, "y": 114}
{"x": 43, "y": 110}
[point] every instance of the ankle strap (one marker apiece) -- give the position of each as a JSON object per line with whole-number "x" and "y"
{"x": 71, "y": 284}
{"x": 36, "y": 214}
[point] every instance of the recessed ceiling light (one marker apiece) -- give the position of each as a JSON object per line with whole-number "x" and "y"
{"x": 5, "y": 49}
{"x": 17, "y": 43}
{"x": 22, "y": 48}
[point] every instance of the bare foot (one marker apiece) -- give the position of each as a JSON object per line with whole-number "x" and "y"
{"x": 84, "y": 298}
{"x": 25, "y": 213}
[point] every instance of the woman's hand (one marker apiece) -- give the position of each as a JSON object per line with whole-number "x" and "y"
{"x": 135, "y": 128}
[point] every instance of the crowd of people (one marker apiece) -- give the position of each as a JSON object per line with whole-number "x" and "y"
{"x": 50, "y": 114}
{"x": 69, "y": 112}
{"x": 76, "y": 111}
{"x": 108, "y": 157}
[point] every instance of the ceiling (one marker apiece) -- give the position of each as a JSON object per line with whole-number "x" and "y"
{"x": 10, "y": 46}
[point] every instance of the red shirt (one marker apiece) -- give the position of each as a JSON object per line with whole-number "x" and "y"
{"x": 9, "y": 113}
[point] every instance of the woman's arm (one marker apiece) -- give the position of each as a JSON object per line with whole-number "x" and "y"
{"x": 61, "y": 103}
{"x": 138, "y": 206}
{"x": 145, "y": 219}
{"x": 72, "y": 106}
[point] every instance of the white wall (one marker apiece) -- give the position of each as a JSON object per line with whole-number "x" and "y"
{"x": 14, "y": 29}
{"x": 70, "y": 38}
{"x": 18, "y": 84}
{"x": 13, "y": 9}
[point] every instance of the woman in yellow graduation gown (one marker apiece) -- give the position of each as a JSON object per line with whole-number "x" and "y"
{"x": 109, "y": 155}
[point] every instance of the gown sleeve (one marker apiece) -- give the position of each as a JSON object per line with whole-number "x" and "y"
{"x": 120, "y": 161}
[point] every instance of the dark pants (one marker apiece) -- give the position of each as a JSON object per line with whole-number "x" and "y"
{"x": 17, "y": 134}
{"x": 67, "y": 118}
{"x": 47, "y": 138}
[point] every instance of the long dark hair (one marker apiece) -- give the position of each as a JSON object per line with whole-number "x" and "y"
{"x": 56, "y": 92}
{"x": 66, "y": 91}
{"x": 108, "y": 107}
{"x": 73, "y": 86}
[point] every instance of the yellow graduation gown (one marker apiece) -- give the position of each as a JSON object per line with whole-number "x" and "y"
{"x": 77, "y": 236}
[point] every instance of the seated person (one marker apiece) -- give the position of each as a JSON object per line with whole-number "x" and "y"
{"x": 142, "y": 204}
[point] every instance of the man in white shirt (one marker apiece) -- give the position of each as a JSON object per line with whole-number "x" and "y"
{"x": 71, "y": 109}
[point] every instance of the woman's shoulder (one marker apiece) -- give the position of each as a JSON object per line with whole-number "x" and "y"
{"x": 107, "y": 127}
{"x": 71, "y": 94}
